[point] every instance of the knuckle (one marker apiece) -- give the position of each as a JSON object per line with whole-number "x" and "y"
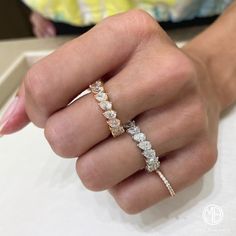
{"x": 125, "y": 201}
{"x": 198, "y": 116}
{"x": 56, "y": 138}
{"x": 208, "y": 157}
{"x": 136, "y": 22}
{"x": 143, "y": 23}
{"x": 89, "y": 174}
{"x": 180, "y": 68}
{"x": 35, "y": 86}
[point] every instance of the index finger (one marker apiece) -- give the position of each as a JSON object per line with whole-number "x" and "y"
{"x": 53, "y": 83}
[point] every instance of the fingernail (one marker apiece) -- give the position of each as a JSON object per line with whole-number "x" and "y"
{"x": 8, "y": 114}
{"x": 1, "y": 128}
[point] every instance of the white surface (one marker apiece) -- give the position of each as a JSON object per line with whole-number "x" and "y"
{"x": 41, "y": 195}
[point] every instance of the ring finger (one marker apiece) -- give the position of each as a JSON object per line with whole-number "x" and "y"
{"x": 143, "y": 190}
{"x": 112, "y": 161}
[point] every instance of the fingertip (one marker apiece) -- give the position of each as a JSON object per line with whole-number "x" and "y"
{"x": 14, "y": 118}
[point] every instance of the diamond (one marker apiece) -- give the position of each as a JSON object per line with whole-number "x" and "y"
{"x": 117, "y": 131}
{"x": 105, "y": 105}
{"x": 98, "y": 83}
{"x": 140, "y": 137}
{"x": 113, "y": 123}
{"x": 110, "y": 114}
{"x": 101, "y": 96}
{"x": 133, "y": 130}
{"x": 129, "y": 124}
{"x": 152, "y": 164}
{"x": 97, "y": 87}
{"x": 145, "y": 145}
{"x": 150, "y": 154}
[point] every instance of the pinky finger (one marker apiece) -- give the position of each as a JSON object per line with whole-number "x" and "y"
{"x": 181, "y": 168}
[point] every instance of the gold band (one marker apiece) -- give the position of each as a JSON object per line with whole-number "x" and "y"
{"x": 166, "y": 182}
{"x": 101, "y": 97}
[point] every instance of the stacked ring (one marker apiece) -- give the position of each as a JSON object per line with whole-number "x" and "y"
{"x": 101, "y": 97}
{"x": 151, "y": 159}
{"x": 167, "y": 183}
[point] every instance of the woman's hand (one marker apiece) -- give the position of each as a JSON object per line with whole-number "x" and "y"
{"x": 167, "y": 90}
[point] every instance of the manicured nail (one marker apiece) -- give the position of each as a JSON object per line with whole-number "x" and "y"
{"x": 8, "y": 114}
{"x": 1, "y": 128}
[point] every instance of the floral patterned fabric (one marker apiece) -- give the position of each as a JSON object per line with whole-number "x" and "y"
{"x": 86, "y": 12}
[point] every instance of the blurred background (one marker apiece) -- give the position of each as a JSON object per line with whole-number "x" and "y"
{"x": 15, "y": 23}
{"x": 17, "y": 17}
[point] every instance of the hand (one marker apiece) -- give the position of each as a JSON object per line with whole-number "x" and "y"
{"x": 167, "y": 90}
{"x": 42, "y": 27}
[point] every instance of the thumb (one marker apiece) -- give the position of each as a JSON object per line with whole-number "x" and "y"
{"x": 15, "y": 117}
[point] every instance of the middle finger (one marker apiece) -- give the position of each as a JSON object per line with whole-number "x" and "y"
{"x": 81, "y": 125}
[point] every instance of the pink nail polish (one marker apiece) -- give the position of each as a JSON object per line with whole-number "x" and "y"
{"x": 8, "y": 113}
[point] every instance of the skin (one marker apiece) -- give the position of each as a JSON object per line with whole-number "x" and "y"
{"x": 175, "y": 95}
{"x": 42, "y": 28}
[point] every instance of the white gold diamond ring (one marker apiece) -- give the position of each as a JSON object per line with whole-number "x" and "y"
{"x": 151, "y": 158}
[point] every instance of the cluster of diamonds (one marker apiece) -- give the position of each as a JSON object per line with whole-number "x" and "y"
{"x": 101, "y": 96}
{"x": 152, "y": 160}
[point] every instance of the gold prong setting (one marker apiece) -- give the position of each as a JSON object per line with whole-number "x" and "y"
{"x": 109, "y": 113}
